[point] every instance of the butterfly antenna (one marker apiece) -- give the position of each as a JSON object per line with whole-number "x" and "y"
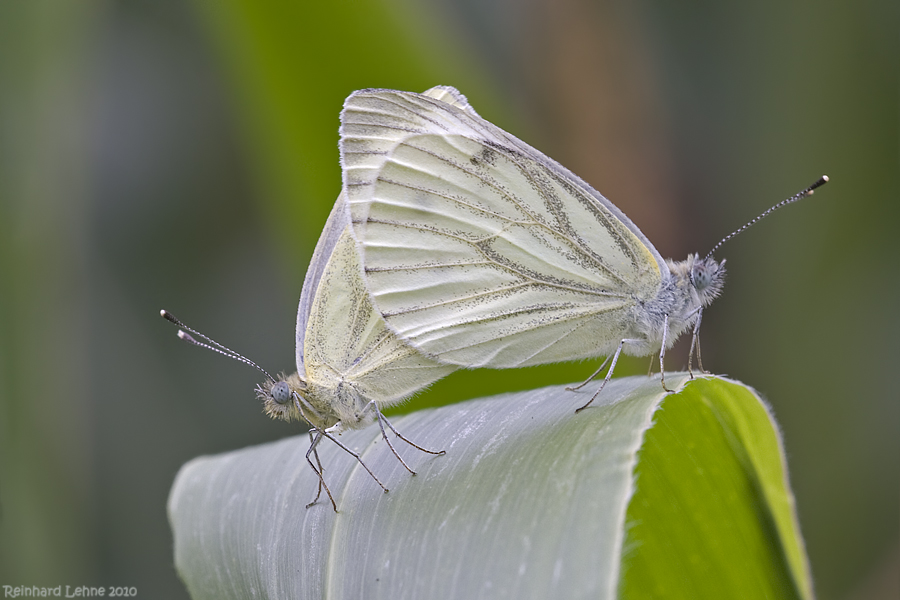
{"x": 798, "y": 196}
{"x": 211, "y": 343}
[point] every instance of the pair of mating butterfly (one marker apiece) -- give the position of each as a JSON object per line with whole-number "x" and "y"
{"x": 454, "y": 244}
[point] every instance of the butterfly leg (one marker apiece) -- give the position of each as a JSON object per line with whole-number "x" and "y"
{"x": 615, "y": 358}
{"x": 354, "y": 455}
{"x": 573, "y": 388}
{"x": 662, "y": 355}
{"x": 320, "y": 470}
{"x": 411, "y": 443}
{"x": 381, "y": 423}
{"x": 695, "y": 343}
{"x": 313, "y": 442}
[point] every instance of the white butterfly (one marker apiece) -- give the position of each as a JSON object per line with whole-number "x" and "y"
{"x": 483, "y": 252}
{"x": 350, "y": 366}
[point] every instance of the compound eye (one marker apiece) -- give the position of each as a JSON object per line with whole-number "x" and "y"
{"x": 281, "y": 392}
{"x": 700, "y": 277}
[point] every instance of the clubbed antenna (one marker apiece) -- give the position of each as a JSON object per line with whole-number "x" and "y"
{"x": 211, "y": 345}
{"x": 798, "y": 196}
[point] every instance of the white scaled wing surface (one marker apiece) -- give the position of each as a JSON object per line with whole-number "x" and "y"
{"x": 337, "y": 221}
{"x": 478, "y": 249}
{"x": 350, "y": 355}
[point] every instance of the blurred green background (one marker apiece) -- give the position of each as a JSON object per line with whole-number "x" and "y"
{"x": 183, "y": 155}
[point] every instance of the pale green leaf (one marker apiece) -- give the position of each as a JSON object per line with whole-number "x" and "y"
{"x": 530, "y": 501}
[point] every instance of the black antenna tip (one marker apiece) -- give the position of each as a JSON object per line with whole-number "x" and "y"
{"x": 822, "y": 181}
{"x": 168, "y": 316}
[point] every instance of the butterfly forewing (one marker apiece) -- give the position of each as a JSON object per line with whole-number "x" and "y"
{"x": 474, "y": 242}
{"x": 338, "y": 220}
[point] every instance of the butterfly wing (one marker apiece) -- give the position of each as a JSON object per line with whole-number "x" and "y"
{"x": 334, "y": 227}
{"x": 478, "y": 249}
{"x": 351, "y": 356}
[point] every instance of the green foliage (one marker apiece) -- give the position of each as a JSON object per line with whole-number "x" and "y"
{"x": 530, "y": 501}
{"x": 712, "y": 484}
{"x": 292, "y": 64}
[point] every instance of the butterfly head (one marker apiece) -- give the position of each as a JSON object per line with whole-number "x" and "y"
{"x": 707, "y": 276}
{"x": 282, "y": 397}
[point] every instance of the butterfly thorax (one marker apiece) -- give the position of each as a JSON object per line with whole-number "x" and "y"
{"x": 350, "y": 406}
{"x": 692, "y": 284}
